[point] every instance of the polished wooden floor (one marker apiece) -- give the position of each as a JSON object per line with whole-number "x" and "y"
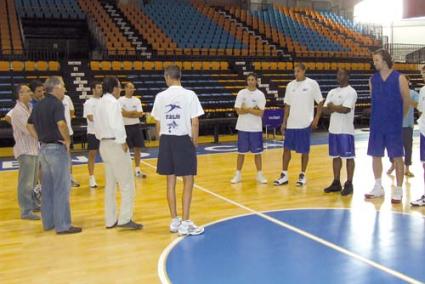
{"x": 29, "y": 255}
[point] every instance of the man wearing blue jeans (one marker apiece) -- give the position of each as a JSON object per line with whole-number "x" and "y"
{"x": 47, "y": 123}
{"x": 25, "y": 151}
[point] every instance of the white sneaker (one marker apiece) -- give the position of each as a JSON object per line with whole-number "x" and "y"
{"x": 283, "y": 179}
{"x": 376, "y": 192}
{"x": 92, "y": 182}
{"x": 236, "y": 179}
{"x": 396, "y": 195}
{"x": 261, "y": 178}
{"x": 302, "y": 180}
{"x": 419, "y": 202}
{"x": 139, "y": 173}
{"x": 175, "y": 224}
{"x": 187, "y": 228}
{"x": 74, "y": 182}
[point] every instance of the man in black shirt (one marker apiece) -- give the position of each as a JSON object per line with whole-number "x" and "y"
{"x": 47, "y": 123}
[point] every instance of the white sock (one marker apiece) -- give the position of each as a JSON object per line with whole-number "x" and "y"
{"x": 259, "y": 172}
{"x": 285, "y": 173}
{"x": 399, "y": 187}
{"x": 378, "y": 182}
{"x": 238, "y": 173}
{"x": 137, "y": 169}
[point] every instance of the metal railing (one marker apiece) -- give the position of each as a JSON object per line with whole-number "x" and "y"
{"x": 401, "y": 52}
{"x": 417, "y": 56}
{"x": 30, "y": 54}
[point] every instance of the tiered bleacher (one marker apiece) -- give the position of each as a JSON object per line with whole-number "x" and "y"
{"x": 215, "y": 46}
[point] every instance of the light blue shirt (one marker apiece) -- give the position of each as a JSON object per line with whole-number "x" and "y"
{"x": 408, "y": 120}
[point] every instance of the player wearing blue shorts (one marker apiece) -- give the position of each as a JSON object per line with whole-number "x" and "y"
{"x": 340, "y": 103}
{"x": 250, "y": 104}
{"x": 390, "y": 102}
{"x": 300, "y": 96}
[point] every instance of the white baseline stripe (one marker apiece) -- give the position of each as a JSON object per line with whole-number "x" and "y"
{"x": 164, "y": 278}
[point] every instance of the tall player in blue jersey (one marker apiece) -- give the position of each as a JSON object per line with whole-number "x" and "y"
{"x": 390, "y": 101}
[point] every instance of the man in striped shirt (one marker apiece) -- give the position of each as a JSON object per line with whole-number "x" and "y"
{"x": 25, "y": 151}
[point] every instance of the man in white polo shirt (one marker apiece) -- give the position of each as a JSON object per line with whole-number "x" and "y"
{"x": 250, "y": 104}
{"x": 340, "y": 103}
{"x": 92, "y": 142}
{"x": 176, "y": 111}
{"x": 132, "y": 111}
{"x": 69, "y": 114}
{"x": 299, "y": 118}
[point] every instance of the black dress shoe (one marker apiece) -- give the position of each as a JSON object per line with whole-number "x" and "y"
{"x": 71, "y": 230}
{"x": 131, "y": 225}
{"x": 113, "y": 226}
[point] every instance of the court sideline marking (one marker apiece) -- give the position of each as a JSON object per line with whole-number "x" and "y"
{"x": 161, "y": 265}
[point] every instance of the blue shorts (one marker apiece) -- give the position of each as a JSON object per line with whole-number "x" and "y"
{"x": 250, "y": 142}
{"x": 378, "y": 142}
{"x": 422, "y": 146}
{"x": 341, "y": 146}
{"x": 298, "y": 140}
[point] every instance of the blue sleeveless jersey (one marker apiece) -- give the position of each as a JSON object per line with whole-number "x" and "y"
{"x": 387, "y": 104}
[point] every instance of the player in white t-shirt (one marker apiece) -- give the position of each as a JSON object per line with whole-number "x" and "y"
{"x": 92, "y": 142}
{"x": 69, "y": 115}
{"x": 176, "y": 111}
{"x": 299, "y": 119}
{"x": 421, "y": 122}
{"x": 341, "y": 103}
{"x": 250, "y": 104}
{"x": 132, "y": 111}
{"x": 8, "y": 116}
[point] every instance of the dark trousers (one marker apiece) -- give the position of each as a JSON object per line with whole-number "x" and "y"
{"x": 407, "y": 144}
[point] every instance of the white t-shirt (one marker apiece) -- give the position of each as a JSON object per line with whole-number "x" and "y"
{"x": 342, "y": 123}
{"x": 131, "y": 104}
{"x": 89, "y": 108}
{"x": 174, "y": 108}
{"x": 421, "y": 109}
{"x": 251, "y": 99}
{"x": 300, "y": 96}
{"x": 69, "y": 106}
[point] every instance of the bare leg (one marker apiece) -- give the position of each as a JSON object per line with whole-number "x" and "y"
{"x": 399, "y": 168}
{"x": 350, "y": 169}
{"x": 137, "y": 152}
{"x": 337, "y": 165}
{"x": 187, "y": 196}
{"x": 286, "y": 159}
{"x": 304, "y": 162}
{"x": 258, "y": 162}
{"x": 239, "y": 163}
{"x": 171, "y": 195}
{"x": 91, "y": 163}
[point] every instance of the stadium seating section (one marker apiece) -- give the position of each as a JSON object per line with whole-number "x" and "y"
{"x": 49, "y": 9}
{"x": 214, "y": 46}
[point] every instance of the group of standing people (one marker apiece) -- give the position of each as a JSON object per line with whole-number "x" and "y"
{"x": 42, "y": 132}
{"x": 391, "y": 126}
{"x": 42, "y": 137}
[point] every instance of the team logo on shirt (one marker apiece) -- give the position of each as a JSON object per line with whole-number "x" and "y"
{"x": 172, "y": 107}
{"x": 172, "y": 125}
{"x": 172, "y": 116}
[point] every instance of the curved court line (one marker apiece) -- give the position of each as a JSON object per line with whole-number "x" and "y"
{"x": 162, "y": 271}
{"x": 303, "y": 233}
